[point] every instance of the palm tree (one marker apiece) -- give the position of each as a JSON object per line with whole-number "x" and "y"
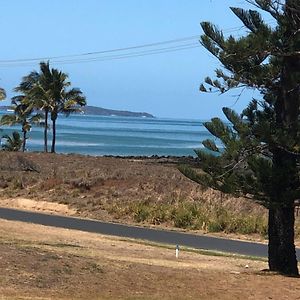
{"x": 64, "y": 101}
{"x": 58, "y": 97}
{"x": 13, "y": 143}
{"x": 35, "y": 86}
{"x": 49, "y": 92}
{"x": 22, "y": 115}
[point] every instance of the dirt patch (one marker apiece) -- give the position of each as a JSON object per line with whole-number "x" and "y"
{"x": 50, "y": 263}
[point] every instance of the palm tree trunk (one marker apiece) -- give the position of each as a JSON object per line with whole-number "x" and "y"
{"x": 53, "y": 135}
{"x": 24, "y": 141}
{"x": 46, "y": 132}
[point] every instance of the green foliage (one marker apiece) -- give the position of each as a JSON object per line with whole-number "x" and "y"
{"x": 260, "y": 158}
{"x": 49, "y": 91}
{"x": 141, "y": 212}
{"x": 13, "y": 143}
{"x": 23, "y": 115}
{"x": 182, "y": 214}
{"x": 246, "y": 165}
{"x": 159, "y": 214}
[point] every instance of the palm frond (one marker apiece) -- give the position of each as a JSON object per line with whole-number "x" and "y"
{"x": 9, "y": 120}
{"x": 13, "y": 143}
{"x": 2, "y": 94}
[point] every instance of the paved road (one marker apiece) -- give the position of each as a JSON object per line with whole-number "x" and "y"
{"x": 154, "y": 235}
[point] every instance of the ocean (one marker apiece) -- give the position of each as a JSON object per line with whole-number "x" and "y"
{"x": 124, "y": 136}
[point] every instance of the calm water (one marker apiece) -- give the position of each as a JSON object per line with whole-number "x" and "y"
{"x": 99, "y": 135}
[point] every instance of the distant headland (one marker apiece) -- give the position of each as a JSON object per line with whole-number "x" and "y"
{"x": 94, "y": 110}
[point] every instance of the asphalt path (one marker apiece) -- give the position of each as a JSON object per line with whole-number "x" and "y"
{"x": 153, "y": 235}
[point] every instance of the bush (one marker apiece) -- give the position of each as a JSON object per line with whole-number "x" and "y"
{"x": 81, "y": 184}
{"x": 182, "y": 217}
{"x": 17, "y": 184}
{"x": 195, "y": 216}
{"x": 214, "y": 226}
{"x": 141, "y": 212}
{"x": 159, "y": 214}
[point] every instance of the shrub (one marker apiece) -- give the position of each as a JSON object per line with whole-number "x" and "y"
{"x": 81, "y": 184}
{"x": 141, "y": 212}
{"x": 159, "y": 214}
{"x": 182, "y": 217}
{"x": 17, "y": 184}
{"x": 214, "y": 226}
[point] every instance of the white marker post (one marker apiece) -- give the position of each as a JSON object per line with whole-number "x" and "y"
{"x": 177, "y": 251}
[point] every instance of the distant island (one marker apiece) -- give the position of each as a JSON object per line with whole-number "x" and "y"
{"x": 94, "y": 110}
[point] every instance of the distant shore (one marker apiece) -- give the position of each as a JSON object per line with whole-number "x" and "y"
{"x": 158, "y": 158}
{"x": 100, "y": 111}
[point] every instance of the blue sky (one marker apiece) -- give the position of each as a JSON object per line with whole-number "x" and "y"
{"x": 165, "y": 85}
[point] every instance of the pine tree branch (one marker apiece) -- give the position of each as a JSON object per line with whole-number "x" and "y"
{"x": 287, "y": 54}
{"x": 271, "y": 9}
{"x": 245, "y": 155}
{"x": 295, "y": 154}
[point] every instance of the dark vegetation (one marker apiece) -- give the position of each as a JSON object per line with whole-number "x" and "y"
{"x": 260, "y": 160}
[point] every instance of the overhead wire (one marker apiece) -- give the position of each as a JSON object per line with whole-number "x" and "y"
{"x": 137, "y": 54}
{"x": 183, "y": 39}
{"x": 174, "y": 45}
{"x": 102, "y": 51}
{"x": 117, "y": 57}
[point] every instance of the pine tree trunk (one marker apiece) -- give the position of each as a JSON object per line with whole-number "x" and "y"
{"x": 53, "y": 135}
{"x": 282, "y": 253}
{"x": 46, "y": 132}
{"x": 24, "y": 141}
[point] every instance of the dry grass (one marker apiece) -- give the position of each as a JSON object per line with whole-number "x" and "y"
{"x": 39, "y": 262}
{"x": 149, "y": 191}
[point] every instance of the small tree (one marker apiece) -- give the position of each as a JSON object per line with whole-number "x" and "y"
{"x": 23, "y": 115}
{"x": 260, "y": 151}
{"x": 13, "y": 143}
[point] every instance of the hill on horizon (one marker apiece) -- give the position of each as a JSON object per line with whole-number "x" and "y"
{"x": 95, "y": 110}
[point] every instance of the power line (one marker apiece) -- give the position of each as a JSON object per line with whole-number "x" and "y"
{"x": 158, "y": 51}
{"x": 179, "y": 44}
{"x": 116, "y": 57}
{"x": 102, "y": 51}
